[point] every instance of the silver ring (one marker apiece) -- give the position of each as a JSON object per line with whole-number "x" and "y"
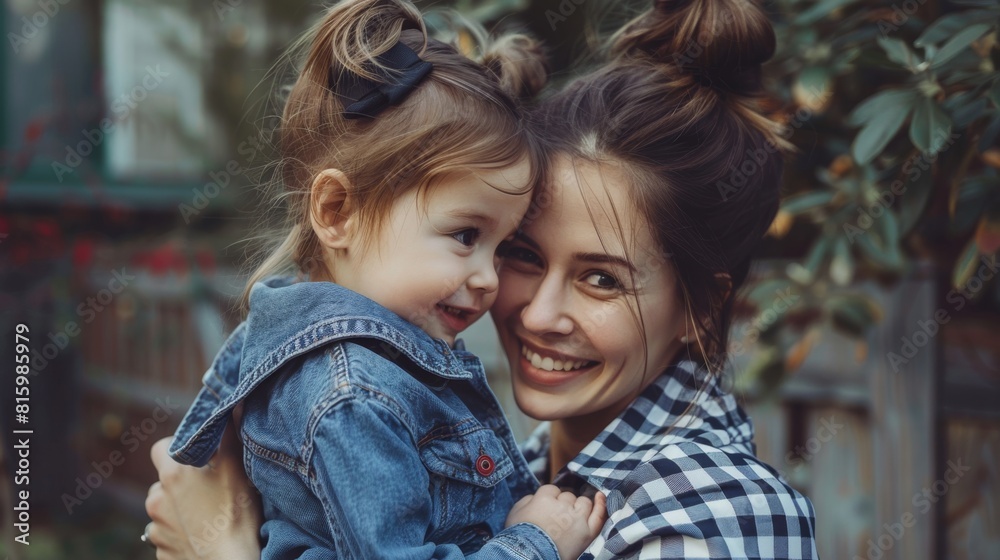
{"x": 145, "y": 535}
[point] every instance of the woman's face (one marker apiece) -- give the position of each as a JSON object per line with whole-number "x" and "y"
{"x": 572, "y": 288}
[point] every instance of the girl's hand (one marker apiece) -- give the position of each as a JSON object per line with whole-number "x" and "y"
{"x": 208, "y": 512}
{"x": 572, "y": 522}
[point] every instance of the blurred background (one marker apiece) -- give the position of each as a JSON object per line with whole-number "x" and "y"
{"x": 867, "y": 349}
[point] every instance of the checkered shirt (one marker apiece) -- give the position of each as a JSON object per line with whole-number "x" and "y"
{"x": 693, "y": 491}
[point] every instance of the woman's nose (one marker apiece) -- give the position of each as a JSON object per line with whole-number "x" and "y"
{"x": 546, "y": 312}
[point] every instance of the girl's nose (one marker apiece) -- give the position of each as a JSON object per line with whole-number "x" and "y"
{"x": 485, "y": 276}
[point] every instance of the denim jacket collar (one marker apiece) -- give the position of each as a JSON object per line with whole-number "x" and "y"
{"x": 288, "y": 319}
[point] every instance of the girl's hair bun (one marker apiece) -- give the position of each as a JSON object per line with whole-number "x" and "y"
{"x": 719, "y": 43}
{"x": 519, "y": 63}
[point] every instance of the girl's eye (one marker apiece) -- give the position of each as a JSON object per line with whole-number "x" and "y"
{"x": 603, "y": 281}
{"x": 467, "y": 237}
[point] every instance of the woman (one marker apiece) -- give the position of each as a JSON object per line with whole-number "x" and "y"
{"x": 615, "y": 298}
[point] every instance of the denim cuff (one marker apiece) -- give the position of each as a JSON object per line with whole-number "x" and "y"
{"x": 526, "y": 541}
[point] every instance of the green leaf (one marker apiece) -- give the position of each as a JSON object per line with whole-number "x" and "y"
{"x": 845, "y": 60}
{"x": 822, "y": 9}
{"x": 878, "y": 104}
{"x": 872, "y": 139}
{"x": 805, "y": 273}
{"x": 799, "y": 203}
{"x": 874, "y": 253}
{"x": 842, "y": 264}
{"x": 918, "y": 192}
{"x": 889, "y": 230}
{"x": 948, "y": 25}
{"x": 818, "y": 253}
{"x": 880, "y": 242}
{"x": 964, "y": 116}
{"x": 898, "y": 52}
{"x": 852, "y": 313}
{"x": 966, "y": 265}
{"x": 930, "y": 127}
{"x": 959, "y": 42}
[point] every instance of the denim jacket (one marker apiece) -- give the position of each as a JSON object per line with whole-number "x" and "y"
{"x": 366, "y": 437}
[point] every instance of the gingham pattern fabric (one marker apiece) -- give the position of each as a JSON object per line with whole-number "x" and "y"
{"x": 694, "y": 491}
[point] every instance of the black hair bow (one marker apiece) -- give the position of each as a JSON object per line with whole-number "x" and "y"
{"x": 364, "y": 98}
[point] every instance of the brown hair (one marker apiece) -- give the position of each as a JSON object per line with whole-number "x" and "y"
{"x": 465, "y": 113}
{"x": 675, "y": 105}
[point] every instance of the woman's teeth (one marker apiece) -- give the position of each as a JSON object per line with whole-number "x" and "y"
{"x": 549, "y": 364}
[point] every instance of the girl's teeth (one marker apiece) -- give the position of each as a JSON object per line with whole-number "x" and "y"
{"x": 547, "y": 363}
{"x": 451, "y": 310}
{"x": 558, "y": 365}
{"x": 536, "y": 360}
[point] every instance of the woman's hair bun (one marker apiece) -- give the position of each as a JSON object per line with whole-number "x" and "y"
{"x": 519, "y": 63}
{"x": 720, "y": 43}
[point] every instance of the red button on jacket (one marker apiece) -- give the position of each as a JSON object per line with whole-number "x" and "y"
{"x": 485, "y": 465}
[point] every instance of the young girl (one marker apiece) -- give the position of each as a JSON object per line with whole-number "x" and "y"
{"x": 367, "y": 428}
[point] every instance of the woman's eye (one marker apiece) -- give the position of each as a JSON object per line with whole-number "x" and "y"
{"x": 603, "y": 281}
{"x": 518, "y": 253}
{"x": 467, "y": 237}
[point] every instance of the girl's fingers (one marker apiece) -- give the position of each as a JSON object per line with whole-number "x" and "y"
{"x": 583, "y": 503}
{"x": 568, "y": 498}
{"x": 549, "y": 490}
{"x": 599, "y": 514}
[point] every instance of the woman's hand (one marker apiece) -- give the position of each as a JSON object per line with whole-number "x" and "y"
{"x": 208, "y": 512}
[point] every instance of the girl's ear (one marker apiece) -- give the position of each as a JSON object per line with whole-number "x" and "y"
{"x": 331, "y": 208}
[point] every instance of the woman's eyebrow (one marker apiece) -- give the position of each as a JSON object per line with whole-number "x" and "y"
{"x": 523, "y": 237}
{"x": 605, "y": 258}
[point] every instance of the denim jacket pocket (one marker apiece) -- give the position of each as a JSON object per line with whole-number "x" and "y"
{"x": 477, "y": 457}
{"x": 467, "y": 468}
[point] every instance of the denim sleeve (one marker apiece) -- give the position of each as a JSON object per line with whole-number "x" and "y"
{"x": 366, "y": 471}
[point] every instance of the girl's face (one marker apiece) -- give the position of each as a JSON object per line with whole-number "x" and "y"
{"x": 434, "y": 263}
{"x": 573, "y": 286}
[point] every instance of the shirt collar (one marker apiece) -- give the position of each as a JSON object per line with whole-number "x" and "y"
{"x": 684, "y": 404}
